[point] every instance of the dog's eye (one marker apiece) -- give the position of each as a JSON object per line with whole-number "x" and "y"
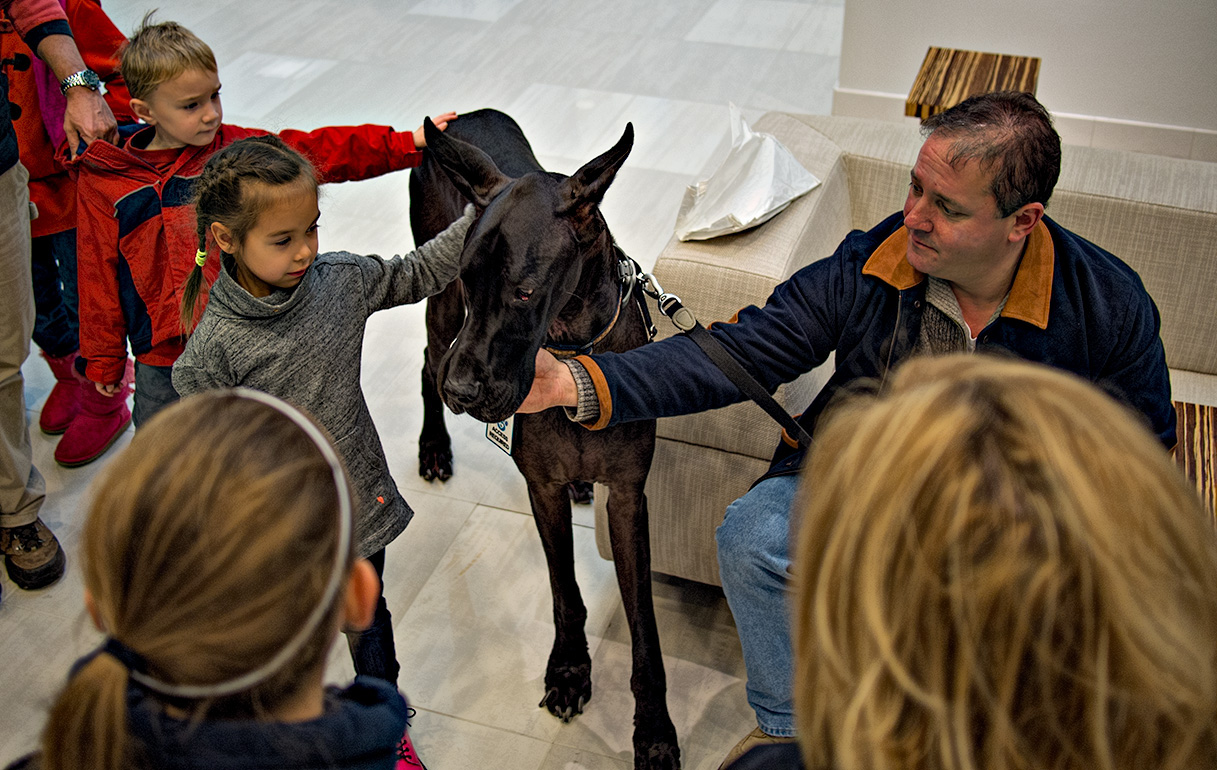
{"x": 523, "y": 294}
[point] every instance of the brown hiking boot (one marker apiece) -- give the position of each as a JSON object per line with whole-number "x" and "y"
{"x": 757, "y": 737}
{"x": 32, "y": 555}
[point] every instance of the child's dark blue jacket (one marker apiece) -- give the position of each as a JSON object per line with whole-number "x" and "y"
{"x": 360, "y": 730}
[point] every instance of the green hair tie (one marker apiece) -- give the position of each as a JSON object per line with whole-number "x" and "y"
{"x": 200, "y": 257}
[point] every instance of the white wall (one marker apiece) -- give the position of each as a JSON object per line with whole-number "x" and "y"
{"x": 1133, "y": 74}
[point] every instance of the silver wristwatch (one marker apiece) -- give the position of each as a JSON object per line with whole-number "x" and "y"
{"x": 86, "y": 78}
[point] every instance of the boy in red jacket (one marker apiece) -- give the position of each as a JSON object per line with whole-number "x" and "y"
{"x": 136, "y": 236}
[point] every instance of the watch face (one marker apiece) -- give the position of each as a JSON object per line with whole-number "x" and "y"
{"x": 86, "y": 78}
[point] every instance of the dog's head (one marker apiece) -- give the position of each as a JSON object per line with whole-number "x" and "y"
{"x": 522, "y": 259}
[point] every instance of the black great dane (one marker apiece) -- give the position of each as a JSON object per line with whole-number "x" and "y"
{"x": 539, "y": 267}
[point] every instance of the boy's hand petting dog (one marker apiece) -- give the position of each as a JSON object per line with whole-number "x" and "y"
{"x": 441, "y": 122}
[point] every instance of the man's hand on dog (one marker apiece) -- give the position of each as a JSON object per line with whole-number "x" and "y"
{"x": 552, "y": 386}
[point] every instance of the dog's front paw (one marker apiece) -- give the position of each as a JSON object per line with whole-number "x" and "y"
{"x": 568, "y": 688}
{"x": 656, "y": 749}
{"x": 435, "y": 462}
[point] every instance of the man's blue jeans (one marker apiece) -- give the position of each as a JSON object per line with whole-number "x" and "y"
{"x": 754, "y": 565}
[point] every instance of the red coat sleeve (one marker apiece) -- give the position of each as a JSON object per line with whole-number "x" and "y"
{"x": 103, "y": 330}
{"x": 27, "y": 15}
{"x": 99, "y": 42}
{"x": 348, "y": 153}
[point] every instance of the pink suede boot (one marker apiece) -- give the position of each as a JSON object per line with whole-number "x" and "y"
{"x": 64, "y": 401}
{"x": 100, "y": 421}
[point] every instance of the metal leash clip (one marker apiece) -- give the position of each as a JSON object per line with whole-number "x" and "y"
{"x": 669, "y": 304}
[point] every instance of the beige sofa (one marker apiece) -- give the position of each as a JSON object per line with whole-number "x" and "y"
{"x": 1158, "y": 214}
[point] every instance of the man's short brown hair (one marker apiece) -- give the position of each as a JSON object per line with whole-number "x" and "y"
{"x": 1010, "y": 135}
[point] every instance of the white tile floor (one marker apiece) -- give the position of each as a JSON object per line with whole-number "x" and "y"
{"x": 466, "y": 582}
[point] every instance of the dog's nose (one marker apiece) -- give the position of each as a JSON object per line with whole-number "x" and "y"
{"x": 464, "y": 392}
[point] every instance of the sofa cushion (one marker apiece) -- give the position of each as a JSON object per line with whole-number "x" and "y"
{"x": 687, "y": 496}
{"x": 716, "y": 278}
{"x": 1160, "y": 216}
{"x": 878, "y": 159}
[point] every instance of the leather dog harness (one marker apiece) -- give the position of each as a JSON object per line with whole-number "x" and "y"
{"x": 628, "y": 286}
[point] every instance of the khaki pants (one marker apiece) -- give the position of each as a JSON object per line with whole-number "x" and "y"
{"x": 21, "y": 487}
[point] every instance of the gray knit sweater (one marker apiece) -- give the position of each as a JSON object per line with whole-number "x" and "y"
{"x": 304, "y": 345}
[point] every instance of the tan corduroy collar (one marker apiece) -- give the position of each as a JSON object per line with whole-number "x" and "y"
{"x": 1030, "y": 295}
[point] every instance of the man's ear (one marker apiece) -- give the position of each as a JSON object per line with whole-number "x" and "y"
{"x": 1025, "y": 220}
{"x": 140, "y": 108}
{"x": 361, "y": 597}
{"x": 224, "y": 238}
{"x": 91, "y": 608}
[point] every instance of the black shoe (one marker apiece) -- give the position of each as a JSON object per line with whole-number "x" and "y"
{"x": 32, "y": 555}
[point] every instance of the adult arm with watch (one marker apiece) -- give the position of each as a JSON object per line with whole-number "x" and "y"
{"x": 44, "y": 27}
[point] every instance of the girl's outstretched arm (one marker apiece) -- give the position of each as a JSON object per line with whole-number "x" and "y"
{"x": 419, "y": 274}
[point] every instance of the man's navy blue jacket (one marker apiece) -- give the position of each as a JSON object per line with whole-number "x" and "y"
{"x": 1072, "y": 305}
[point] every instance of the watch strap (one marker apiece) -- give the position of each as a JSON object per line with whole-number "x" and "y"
{"x": 86, "y": 78}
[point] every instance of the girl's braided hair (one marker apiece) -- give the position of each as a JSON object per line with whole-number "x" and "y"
{"x": 221, "y": 196}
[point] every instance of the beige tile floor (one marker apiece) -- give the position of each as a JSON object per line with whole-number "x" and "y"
{"x": 466, "y": 582}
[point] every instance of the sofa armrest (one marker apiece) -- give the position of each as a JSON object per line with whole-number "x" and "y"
{"x": 718, "y": 277}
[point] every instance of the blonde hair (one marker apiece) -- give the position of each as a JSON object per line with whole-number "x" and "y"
{"x": 160, "y": 52}
{"x": 210, "y": 544}
{"x": 998, "y": 567}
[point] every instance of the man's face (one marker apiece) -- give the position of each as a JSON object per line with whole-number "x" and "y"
{"x": 955, "y": 230}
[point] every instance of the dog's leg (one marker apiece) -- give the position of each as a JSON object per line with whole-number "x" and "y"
{"x": 434, "y": 444}
{"x": 445, "y": 312}
{"x": 568, "y": 675}
{"x": 655, "y": 746}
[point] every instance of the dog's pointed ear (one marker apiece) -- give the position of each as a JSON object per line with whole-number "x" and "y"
{"x": 584, "y": 189}
{"x": 471, "y": 170}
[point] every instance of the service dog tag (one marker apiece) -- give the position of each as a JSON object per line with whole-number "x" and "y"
{"x": 499, "y": 433}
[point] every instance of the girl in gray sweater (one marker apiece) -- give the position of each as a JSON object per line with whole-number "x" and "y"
{"x": 288, "y": 321}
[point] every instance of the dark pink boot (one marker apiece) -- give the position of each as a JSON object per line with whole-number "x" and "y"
{"x": 64, "y": 401}
{"x": 100, "y": 421}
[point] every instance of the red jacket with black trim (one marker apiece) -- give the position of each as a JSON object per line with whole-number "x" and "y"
{"x": 52, "y": 189}
{"x": 34, "y": 21}
{"x": 137, "y": 234}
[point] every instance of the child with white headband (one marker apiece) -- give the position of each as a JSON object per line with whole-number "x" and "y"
{"x": 218, "y": 559}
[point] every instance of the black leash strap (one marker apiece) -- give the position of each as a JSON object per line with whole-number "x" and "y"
{"x": 683, "y": 319}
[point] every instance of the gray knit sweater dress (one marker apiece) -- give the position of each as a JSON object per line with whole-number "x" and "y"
{"x": 305, "y": 346}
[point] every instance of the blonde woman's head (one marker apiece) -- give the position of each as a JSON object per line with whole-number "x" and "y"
{"x": 998, "y": 567}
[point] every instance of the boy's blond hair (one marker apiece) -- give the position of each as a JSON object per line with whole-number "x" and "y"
{"x": 160, "y": 52}
{"x": 999, "y": 568}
